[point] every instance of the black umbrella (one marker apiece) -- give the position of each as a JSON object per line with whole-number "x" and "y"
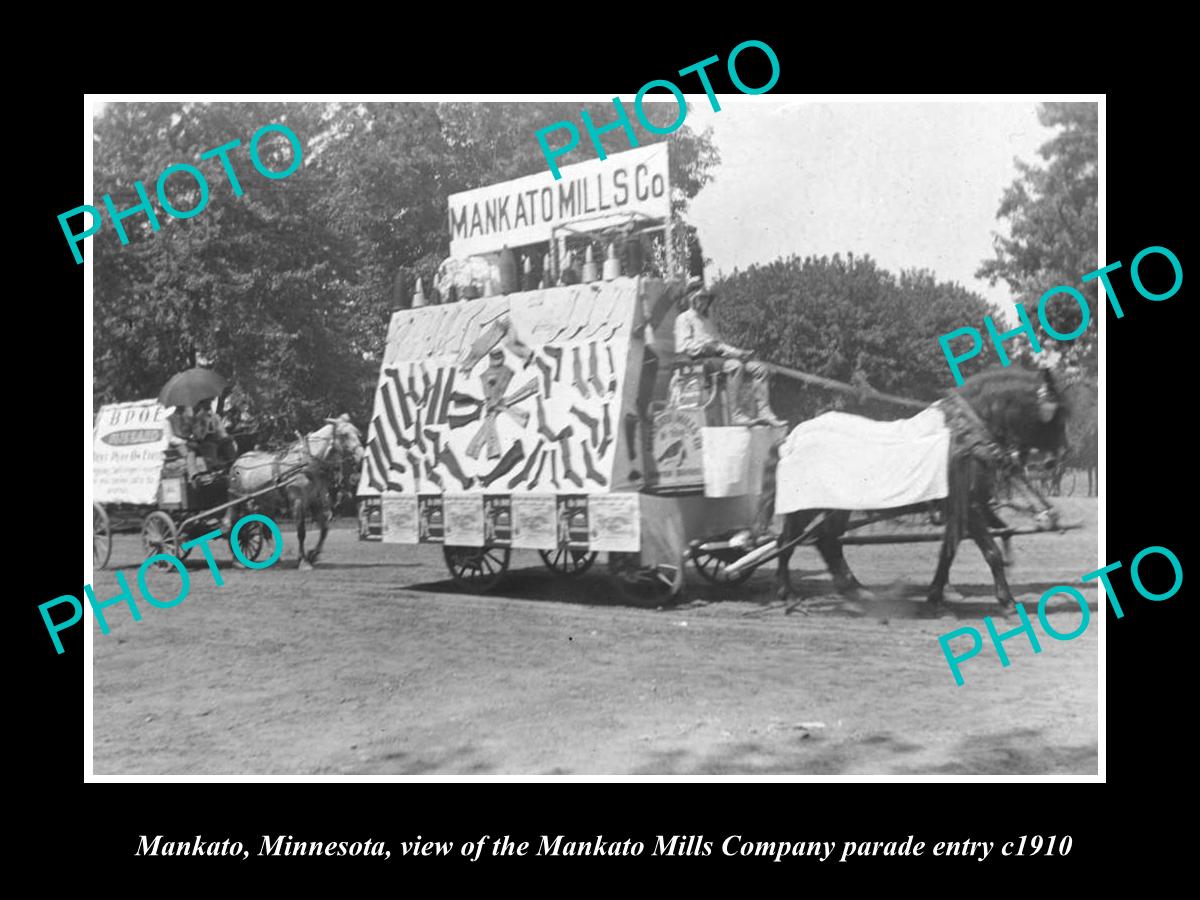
{"x": 190, "y": 387}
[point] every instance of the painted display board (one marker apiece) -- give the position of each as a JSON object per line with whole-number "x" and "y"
{"x": 524, "y": 394}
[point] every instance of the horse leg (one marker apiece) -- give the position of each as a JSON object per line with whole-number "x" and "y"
{"x": 977, "y": 528}
{"x": 792, "y": 525}
{"x": 829, "y": 545}
{"x": 325, "y": 515}
{"x": 942, "y": 575}
{"x": 993, "y": 520}
{"x": 298, "y": 512}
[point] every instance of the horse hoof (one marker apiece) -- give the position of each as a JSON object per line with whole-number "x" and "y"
{"x": 304, "y": 565}
{"x": 951, "y": 595}
{"x": 860, "y": 594}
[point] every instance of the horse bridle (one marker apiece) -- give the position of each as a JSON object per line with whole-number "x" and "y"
{"x": 338, "y": 472}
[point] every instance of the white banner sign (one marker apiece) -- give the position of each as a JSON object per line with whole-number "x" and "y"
{"x": 615, "y": 522}
{"x": 464, "y": 520}
{"x": 595, "y": 193}
{"x": 127, "y": 451}
{"x": 399, "y": 519}
{"x": 535, "y": 521}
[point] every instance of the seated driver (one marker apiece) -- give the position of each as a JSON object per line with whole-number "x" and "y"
{"x": 180, "y": 441}
{"x": 697, "y": 337}
{"x": 209, "y": 433}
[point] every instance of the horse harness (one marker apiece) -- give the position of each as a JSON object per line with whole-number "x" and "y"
{"x": 278, "y": 470}
{"x": 972, "y": 437}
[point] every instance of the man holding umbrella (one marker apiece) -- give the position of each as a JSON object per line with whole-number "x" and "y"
{"x": 194, "y": 390}
{"x": 180, "y": 438}
{"x": 209, "y": 432}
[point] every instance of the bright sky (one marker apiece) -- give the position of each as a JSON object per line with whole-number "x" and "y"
{"x": 914, "y": 185}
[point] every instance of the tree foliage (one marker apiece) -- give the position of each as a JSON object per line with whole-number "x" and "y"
{"x": 1052, "y": 222}
{"x": 287, "y": 289}
{"x": 846, "y": 318}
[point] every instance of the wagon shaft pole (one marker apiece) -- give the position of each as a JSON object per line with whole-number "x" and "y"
{"x": 737, "y": 565}
{"x": 861, "y": 392}
{"x": 917, "y": 538}
{"x": 280, "y": 482}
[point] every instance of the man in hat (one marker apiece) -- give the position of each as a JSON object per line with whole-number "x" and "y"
{"x": 697, "y": 337}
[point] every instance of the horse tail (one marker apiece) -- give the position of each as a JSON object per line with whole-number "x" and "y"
{"x": 766, "y": 501}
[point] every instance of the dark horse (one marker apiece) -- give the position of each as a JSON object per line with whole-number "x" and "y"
{"x": 1007, "y": 413}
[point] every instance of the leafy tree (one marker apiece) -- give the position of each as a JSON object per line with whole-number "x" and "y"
{"x": 1052, "y": 216}
{"x": 287, "y": 289}
{"x": 1083, "y": 426}
{"x": 251, "y": 283}
{"x": 846, "y": 318}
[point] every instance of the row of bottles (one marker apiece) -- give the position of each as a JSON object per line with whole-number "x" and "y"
{"x": 510, "y": 281}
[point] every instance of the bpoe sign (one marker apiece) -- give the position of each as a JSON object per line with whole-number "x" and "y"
{"x": 526, "y": 210}
{"x": 128, "y": 441}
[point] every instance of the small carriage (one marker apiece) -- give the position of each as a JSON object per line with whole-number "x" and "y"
{"x": 138, "y": 483}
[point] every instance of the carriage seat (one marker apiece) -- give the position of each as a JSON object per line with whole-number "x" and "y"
{"x": 695, "y": 385}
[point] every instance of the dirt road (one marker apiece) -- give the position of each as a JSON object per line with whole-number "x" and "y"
{"x": 373, "y": 664}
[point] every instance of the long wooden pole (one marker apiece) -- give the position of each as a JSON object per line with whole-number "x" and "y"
{"x": 914, "y": 538}
{"x": 841, "y": 387}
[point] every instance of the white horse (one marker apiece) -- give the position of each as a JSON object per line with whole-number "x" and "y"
{"x": 317, "y": 459}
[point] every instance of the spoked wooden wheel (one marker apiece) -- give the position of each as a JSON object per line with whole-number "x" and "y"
{"x": 101, "y": 537}
{"x": 644, "y": 585}
{"x": 567, "y": 561}
{"x": 255, "y": 541}
{"x": 477, "y": 569}
{"x": 713, "y": 565}
{"x": 159, "y": 535}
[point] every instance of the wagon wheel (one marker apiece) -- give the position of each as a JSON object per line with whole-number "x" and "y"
{"x": 101, "y": 537}
{"x": 478, "y": 569}
{"x": 713, "y": 565}
{"x": 255, "y": 541}
{"x": 566, "y": 561}
{"x": 159, "y": 535}
{"x": 649, "y": 586}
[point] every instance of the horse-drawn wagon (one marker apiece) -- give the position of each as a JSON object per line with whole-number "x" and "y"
{"x": 534, "y": 415}
{"x": 543, "y": 406}
{"x": 140, "y": 484}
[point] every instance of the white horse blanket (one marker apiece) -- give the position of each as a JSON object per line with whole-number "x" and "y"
{"x": 840, "y": 461}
